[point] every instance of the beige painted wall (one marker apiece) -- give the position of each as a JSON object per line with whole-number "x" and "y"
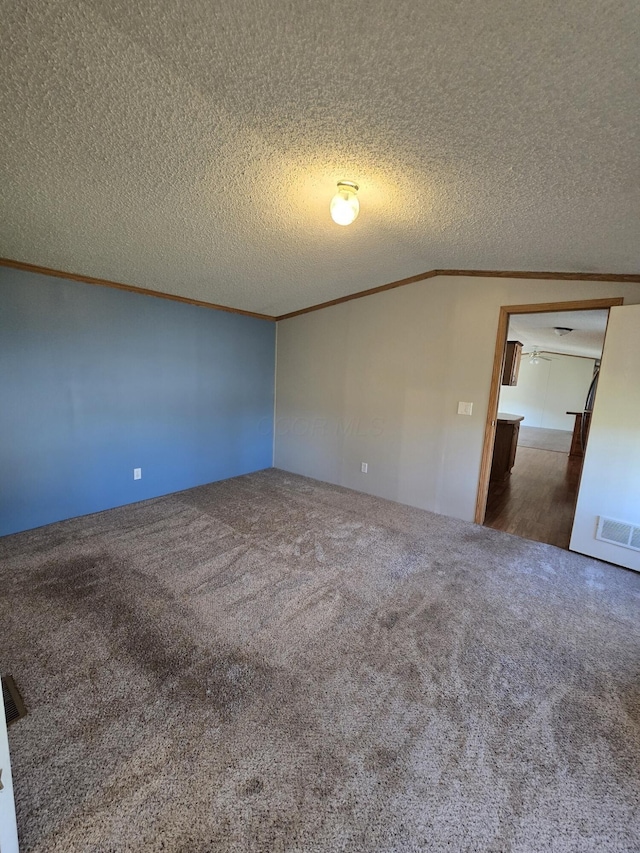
{"x": 378, "y": 380}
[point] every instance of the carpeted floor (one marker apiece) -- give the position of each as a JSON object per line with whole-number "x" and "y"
{"x": 545, "y": 439}
{"x": 273, "y": 664}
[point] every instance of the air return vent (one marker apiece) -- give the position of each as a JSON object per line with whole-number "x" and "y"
{"x": 618, "y": 533}
{"x": 13, "y": 705}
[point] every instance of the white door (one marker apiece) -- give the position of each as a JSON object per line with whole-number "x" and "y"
{"x": 610, "y": 485}
{"x": 8, "y": 831}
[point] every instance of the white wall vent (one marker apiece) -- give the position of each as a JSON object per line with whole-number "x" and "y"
{"x": 618, "y": 533}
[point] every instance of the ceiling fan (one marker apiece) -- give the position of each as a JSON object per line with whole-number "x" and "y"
{"x": 535, "y": 357}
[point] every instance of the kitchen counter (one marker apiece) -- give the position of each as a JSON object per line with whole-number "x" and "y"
{"x": 577, "y": 450}
{"x": 505, "y": 445}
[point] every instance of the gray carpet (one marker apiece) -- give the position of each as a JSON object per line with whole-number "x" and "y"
{"x": 275, "y": 664}
{"x": 545, "y": 439}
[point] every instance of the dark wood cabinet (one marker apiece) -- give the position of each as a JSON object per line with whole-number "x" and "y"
{"x": 511, "y": 367}
{"x": 505, "y": 446}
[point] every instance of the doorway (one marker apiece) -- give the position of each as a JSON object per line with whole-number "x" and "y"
{"x": 546, "y": 357}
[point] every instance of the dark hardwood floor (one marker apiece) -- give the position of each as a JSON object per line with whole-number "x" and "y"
{"x": 538, "y": 500}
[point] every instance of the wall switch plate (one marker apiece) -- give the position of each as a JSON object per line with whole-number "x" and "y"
{"x": 137, "y": 473}
{"x": 364, "y": 467}
{"x": 465, "y": 408}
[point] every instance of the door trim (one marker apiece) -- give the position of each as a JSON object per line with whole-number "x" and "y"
{"x": 498, "y": 360}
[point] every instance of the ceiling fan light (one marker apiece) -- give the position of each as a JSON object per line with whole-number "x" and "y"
{"x": 536, "y": 357}
{"x": 344, "y": 205}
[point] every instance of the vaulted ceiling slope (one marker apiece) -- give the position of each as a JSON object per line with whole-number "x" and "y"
{"x": 193, "y": 147}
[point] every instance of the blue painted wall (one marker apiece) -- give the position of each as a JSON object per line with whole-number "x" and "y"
{"x": 95, "y": 382}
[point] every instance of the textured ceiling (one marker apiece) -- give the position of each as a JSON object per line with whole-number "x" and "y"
{"x": 193, "y": 147}
{"x": 536, "y": 331}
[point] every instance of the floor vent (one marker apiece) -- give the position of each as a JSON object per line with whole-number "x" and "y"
{"x": 618, "y": 533}
{"x": 13, "y": 705}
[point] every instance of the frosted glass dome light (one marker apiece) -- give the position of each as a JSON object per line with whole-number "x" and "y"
{"x": 345, "y": 205}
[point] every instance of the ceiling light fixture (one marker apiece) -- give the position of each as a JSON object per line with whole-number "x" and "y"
{"x": 561, "y": 330}
{"x": 345, "y": 205}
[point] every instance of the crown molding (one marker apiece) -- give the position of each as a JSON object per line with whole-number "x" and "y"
{"x": 104, "y": 282}
{"x": 549, "y": 276}
{"x": 629, "y": 278}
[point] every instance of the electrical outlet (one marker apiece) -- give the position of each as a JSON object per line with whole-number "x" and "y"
{"x": 465, "y": 408}
{"x": 364, "y": 467}
{"x": 137, "y": 473}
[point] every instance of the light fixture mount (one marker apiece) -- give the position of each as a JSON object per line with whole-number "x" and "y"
{"x": 344, "y": 205}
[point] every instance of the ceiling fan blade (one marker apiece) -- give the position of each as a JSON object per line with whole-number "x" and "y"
{"x": 536, "y": 354}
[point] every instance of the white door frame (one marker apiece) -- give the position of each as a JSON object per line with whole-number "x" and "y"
{"x": 8, "y": 828}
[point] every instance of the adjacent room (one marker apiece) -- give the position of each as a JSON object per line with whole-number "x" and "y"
{"x": 316, "y": 533}
{"x": 547, "y": 392}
